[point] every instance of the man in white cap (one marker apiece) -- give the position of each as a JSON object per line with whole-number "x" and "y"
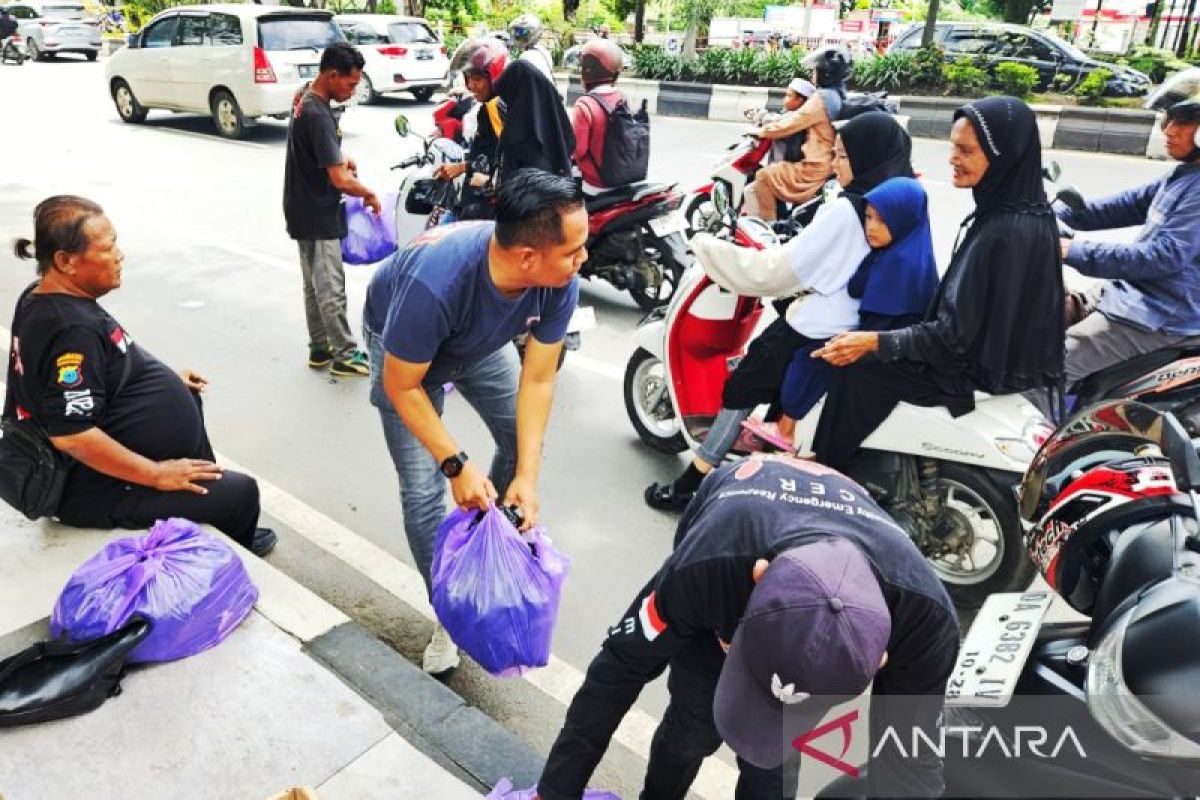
{"x": 789, "y": 591}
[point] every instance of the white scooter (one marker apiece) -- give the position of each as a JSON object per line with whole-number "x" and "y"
{"x": 948, "y": 481}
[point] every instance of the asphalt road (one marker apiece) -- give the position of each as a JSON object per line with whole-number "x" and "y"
{"x": 211, "y": 282}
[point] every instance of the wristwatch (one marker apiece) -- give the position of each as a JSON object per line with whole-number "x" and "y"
{"x": 452, "y": 467}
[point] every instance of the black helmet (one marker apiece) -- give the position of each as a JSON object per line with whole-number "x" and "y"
{"x": 1185, "y": 111}
{"x": 830, "y": 66}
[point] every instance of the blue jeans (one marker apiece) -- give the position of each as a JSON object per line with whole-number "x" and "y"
{"x": 490, "y": 386}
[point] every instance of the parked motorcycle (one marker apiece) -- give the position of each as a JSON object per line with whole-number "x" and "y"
{"x": 1107, "y": 700}
{"x": 948, "y": 481}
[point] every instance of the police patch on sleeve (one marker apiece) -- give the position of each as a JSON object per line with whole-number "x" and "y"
{"x": 69, "y": 368}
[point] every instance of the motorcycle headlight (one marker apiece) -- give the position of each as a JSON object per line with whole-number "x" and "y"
{"x": 1120, "y": 712}
{"x": 1024, "y": 448}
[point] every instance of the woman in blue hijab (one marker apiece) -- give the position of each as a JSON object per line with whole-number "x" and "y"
{"x": 894, "y": 285}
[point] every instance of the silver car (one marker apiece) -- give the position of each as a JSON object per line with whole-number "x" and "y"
{"x": 50, "y": 27}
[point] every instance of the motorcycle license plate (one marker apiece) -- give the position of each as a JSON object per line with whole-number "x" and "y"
{"x": 996, "y": 648}
{"x": 671, "y": 223}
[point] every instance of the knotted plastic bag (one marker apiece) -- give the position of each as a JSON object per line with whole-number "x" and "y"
{"x": 190, "y": 585}
{"x": 370, "y": 237}
{"x": 504, "y": 791}
{"x": 496, "y": 590}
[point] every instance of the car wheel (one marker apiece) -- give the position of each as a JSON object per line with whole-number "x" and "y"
{"x": 423, "y": 94}
{"x": 127, "y": 105}
{"x": 35, "y": 52}
{"x": 91, "y": 55}
{"x": 227, "y": 115}
{"x": 365, "y": 94}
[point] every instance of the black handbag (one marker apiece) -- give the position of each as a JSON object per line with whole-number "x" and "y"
{"x": 32, "y": 470}
{"x": 53, "y": 680}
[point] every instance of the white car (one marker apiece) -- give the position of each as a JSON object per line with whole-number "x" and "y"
{"x": 56, "y": 26}
{"x": 403, "y": 55}
{"x": 235, "y": 62}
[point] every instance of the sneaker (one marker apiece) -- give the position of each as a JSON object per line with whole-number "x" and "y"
{"x": 319, "y": 357}
{"x": 355, "y": 365}
{"x": 264, "y": 541}
{"x": 441, "y": 654}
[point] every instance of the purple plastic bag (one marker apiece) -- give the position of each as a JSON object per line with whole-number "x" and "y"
{"x": 496, "y": 590}
{"x": 370, "y": 237}
{"x": 504, "y": 791}
{"x": 188, "y": 584}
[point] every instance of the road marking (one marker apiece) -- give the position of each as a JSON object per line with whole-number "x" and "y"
{"x": 558, "y": 679}
{"x": 576, "y": 360}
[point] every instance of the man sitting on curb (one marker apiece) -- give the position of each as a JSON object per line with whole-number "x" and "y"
{"x": 1152, "y": 297}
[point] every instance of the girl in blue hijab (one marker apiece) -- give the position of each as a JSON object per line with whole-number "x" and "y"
{"x": 894, "y": 285}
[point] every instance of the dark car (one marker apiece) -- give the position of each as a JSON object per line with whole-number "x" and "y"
{"x": 1060, "y": 64}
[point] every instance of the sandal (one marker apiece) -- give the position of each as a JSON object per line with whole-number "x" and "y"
{"x": 663, "y": 497}
{"x": 768, "y": 432}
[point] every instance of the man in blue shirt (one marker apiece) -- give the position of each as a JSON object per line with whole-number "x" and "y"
{"x": 445, "y": 309}
{"x": 1152, "y": 297}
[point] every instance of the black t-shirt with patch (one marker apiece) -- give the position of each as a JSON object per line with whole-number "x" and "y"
{"x": 312, "y": 205}
{"x": 66, "y": 359}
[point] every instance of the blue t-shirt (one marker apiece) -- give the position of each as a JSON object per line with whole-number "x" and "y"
{"x": 435, "y": 300}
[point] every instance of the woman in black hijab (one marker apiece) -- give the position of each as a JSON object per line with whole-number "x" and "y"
{"x": 537, "y": 132}
{"x": 996, "y": 322}
{"x": 821, "y": 261}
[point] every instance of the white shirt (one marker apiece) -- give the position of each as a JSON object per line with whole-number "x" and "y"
{"x": 819, "y": 261}
{"x": 540, "y": 58}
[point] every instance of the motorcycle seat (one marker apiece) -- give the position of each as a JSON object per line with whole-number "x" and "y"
{"x": 624, "y": 194}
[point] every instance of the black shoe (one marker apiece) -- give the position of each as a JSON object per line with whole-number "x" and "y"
{"x": 665, "y": 497}
{"x": 319, "y": 357}
{"x": 354, "y": 366}
{"x": 264, "y": 541}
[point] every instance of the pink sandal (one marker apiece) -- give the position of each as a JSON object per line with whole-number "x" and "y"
{"x": 768, "y": 432}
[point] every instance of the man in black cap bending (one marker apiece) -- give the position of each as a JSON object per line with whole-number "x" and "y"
{"x": 789, "y": 591}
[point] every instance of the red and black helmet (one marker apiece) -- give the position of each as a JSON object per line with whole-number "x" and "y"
{"x": 487, "y": 57}
{"x": 1104, "y": 475}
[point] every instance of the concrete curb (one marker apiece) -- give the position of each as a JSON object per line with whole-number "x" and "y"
{"x": 413, "y": 701}
{"x": 1096, "y": 130}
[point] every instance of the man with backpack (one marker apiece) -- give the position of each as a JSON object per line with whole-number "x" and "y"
{"x": 612, "y": 145}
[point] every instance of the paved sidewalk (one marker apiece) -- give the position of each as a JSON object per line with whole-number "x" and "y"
{"x": 276, "y": 705}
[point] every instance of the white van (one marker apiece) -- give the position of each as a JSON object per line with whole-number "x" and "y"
{"x": 235, "y": 62}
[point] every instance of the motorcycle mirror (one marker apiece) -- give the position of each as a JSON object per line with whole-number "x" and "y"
{"x": 1052, "y": 171}
{"x": 720, "y": 198}
{"x": 1072, "y": 199}
{"x": 401, "y": 124}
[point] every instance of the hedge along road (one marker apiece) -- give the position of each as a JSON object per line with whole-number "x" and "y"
{"x": 211, "y": 283}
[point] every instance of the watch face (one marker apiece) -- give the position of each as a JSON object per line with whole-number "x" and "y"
{"x": 452, "y": 466}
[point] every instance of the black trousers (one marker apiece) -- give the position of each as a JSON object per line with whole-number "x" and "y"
{"x": 688, "y": 734}
{"x": 759, "y": 376}
{"x": 863, "y": 394}
{"x": 231, "y": 505}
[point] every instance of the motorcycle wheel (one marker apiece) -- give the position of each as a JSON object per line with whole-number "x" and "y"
{"x": 666, "y": 270}
{"x": 648, "y": 404}
{"x": 699, "y": 213}
{"x": 993, "y": 559}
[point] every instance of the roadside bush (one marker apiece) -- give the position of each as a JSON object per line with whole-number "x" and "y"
{"x": 1017, "y": 80}
{"x": 965, "y": 79}
{"x": 929, "y": 63}
{"x": 1157, "y": 64}
{"x": 720, "y": 65}
{"x": 783, "y": 66}
{"x": 1090, "y": 90}
{"x": 891, "y": 72}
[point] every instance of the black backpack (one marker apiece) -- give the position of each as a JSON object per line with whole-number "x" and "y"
{"x": 625, "y": 155}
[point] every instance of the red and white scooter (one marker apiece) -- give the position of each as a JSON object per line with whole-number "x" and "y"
{"x": 949, "y": 482}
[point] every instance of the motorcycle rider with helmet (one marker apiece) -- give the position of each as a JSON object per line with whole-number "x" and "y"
{"x": 1152, "y": 295}
{"x": 481, "y": 62}
{"x": 601, "y": 61}
{"x": 799, "y": 182}
{"x": 526, "y": 31}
